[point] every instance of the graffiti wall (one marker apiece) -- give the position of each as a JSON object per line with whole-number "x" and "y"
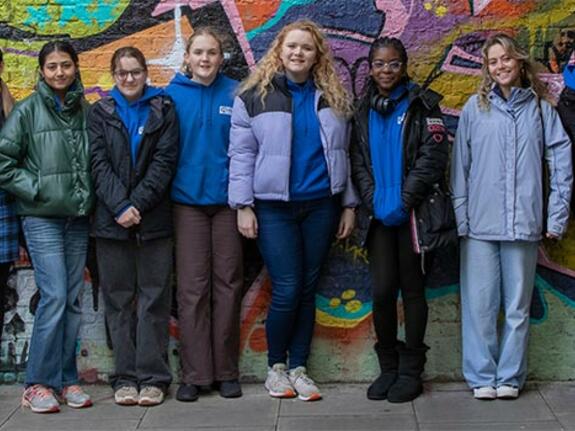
{"x": 443, "y": 38}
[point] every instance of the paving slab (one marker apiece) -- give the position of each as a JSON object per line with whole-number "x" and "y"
{"x": 395, "y": 422}
{"x": 499, "y": 426}
{"x": 443, "y": 407}
{"x": 251, "y": 411}
{"x": 559, "y": 396}
{"x": 342, "y": 400}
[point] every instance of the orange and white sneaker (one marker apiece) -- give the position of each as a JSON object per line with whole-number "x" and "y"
{"x": 306, "y": 388}
{"x": 75, "y": 397}
{"x": 40, "y": 399}
{"x": 278, "y": 383}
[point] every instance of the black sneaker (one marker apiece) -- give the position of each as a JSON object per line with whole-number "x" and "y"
{"x": 187, "y": 393}
{"x": 230, "y": 389}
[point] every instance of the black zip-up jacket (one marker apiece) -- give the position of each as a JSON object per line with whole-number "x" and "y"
{"x": 425, "y": 147}
{"x": 119, "y": 184}
{"x": 566, "y": 109}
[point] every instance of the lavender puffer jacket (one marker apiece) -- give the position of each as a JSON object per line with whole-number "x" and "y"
{"x": 260, "y": 147}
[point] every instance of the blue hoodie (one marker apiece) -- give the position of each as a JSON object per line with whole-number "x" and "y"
{"x": 135, "y": 114}
{"x": 203, "y": 165}
{"x": 386, "y": 147}
{"x": 569, "y": 76}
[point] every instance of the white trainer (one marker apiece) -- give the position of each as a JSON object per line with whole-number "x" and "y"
{"x": 485, "y": 393}
{"x": 278, "y": 384}
{"x": 507, "y": 392}
{"x": 305, "y": 387}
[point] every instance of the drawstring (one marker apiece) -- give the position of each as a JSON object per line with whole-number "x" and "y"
{"x": 423, "y": 261}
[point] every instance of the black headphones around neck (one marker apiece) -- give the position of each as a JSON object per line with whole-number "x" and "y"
{"x": 382, "y": 104}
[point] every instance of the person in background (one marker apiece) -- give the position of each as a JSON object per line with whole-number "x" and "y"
{"x": 208, "y": 244}
{"x": 44, "y": 164}
{"x": 290, "y": 182}
{"x": 134, "y": 145}
{"x": 566, "y": 109}
{"x": 506, "y": 132}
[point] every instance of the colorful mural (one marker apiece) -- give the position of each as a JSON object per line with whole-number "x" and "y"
{"x": 443, "y": 38}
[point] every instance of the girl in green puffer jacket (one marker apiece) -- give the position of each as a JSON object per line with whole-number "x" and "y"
{"x": 44, "y": 163}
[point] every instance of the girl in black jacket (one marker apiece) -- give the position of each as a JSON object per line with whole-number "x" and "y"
{"x": 399, "y": 151}
{"x": 134, "y": 140}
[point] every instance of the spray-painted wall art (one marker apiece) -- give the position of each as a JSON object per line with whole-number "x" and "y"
{"x": 443, "y": 38}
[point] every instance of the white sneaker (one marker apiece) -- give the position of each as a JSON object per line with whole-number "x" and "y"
{"x": 278, "y": 384}
{"x": 306, "y": 388}
{"x": 507, "y": 392}
{"x": 485, "y": 393}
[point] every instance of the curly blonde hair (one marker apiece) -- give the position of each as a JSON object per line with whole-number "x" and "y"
{"x": 529, "y": 77}
{"x": 323, "y": 71}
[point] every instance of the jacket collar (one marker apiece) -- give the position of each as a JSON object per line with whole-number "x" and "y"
{"x": 72, "y": 100}
{"x": 518, "y": 97}
{"x": 108, "y": 105}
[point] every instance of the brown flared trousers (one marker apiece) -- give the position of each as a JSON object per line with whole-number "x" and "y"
{"x": 209, "y": 267}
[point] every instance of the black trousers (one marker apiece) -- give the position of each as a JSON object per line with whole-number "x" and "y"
{"x": 135, "y": 281}
{"x": 395, "y": 268}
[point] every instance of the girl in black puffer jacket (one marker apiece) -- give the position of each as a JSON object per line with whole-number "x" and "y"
{"x": 399, "y": 155}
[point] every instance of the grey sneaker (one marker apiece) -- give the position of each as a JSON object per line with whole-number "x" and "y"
{"x": 40, "y": 399}
{"x": 151, "y": 396}
{"x": 306, "y": 388}
{"x": 126, "y": 395}
{"x": 278, "y": 384}
{"x": 75, "y": 397}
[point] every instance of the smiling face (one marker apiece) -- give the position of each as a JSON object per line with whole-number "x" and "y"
{"x": 204, "y": 59}
{"x": 59, "y": 71}
{"x": 503, "y": 69}
{"x": 298, "y": 55}
{"x": 130, "y": 77}
{"x": 386, "y": 69}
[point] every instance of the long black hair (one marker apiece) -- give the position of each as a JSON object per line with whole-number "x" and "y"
{"x": 57, "y": 45}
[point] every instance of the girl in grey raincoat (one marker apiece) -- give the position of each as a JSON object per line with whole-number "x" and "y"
{"x": 506, "y": 133}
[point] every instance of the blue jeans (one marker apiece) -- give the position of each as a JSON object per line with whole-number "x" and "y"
{"x": 57, "y": 247}
{"x": 495, "y": 274}
{"x": 294, "y": 239}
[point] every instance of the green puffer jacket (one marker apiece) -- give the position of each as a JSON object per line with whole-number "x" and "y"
{"x": 44, "y": 155}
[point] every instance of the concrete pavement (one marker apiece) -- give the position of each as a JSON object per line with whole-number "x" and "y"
{"x": 445, "y": 407}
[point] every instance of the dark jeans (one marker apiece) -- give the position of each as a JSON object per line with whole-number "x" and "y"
{"x": 395, "y": 267}
{"x": 135, "y": 281}
{"x": 210, "y": 280}
{"x": 294, "y": 239}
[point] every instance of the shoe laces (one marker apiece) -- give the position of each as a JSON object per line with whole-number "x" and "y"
{"x": 301, "y": 375}
{"x": 40, "y": 391}
{"x": 73, "y": 389}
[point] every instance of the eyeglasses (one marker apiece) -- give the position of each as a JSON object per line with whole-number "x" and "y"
{"x": 394, "y": 66}
{"x": 122, "y": 75}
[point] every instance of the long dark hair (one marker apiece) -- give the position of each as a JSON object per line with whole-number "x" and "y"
{"x": 385, "y": 42}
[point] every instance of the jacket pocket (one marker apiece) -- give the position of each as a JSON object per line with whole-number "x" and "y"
{"x": 435, "y": 221}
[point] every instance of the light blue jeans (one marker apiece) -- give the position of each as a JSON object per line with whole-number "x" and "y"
{"x": 57, "y": 247}
{"x": 494, "y": 275}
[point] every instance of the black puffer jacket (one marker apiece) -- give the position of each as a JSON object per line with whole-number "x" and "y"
{"x": 425, "y": 158}
{"x": 566, "y": 108}
{"x": 119, "y": 184}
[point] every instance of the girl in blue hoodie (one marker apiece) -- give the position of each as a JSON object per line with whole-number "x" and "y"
{"x": 134, "y": 145}
{"x": 208, "y": 245}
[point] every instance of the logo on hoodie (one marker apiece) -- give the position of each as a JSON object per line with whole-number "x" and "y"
{"x": 225, "y": 110}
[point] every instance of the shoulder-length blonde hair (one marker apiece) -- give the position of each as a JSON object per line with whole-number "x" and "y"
{"x": 323, "y": 71}
{"x": 527, "y": 66}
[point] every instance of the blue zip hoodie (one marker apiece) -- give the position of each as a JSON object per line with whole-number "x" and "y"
{"x": 386, "y": 147}
{"x": 309, "y": 178}
{"x": 569, "y": 76}
{"x": 203, "y": 165}
{"x": 135, "y": 114}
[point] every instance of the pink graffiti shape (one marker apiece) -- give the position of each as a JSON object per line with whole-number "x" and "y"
{"x": 231, "y": 11}
{"x": 479, "y": 5}
{"x": 396, "y": 16}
